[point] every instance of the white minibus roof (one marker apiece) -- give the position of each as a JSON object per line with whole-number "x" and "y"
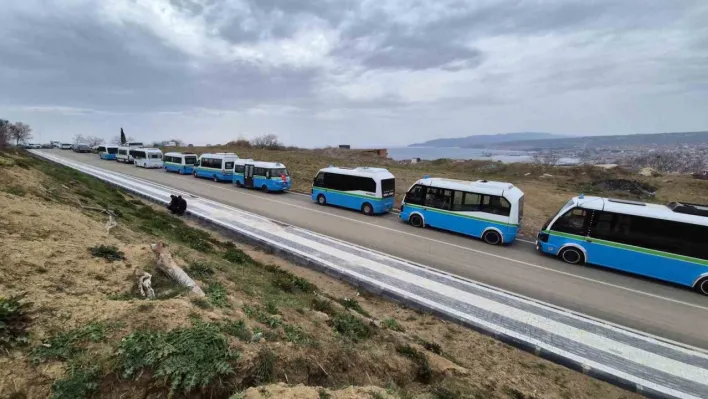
{"x": 637, "y": 208}
{"x": 507, "y": 190}
{"x": 220, "y": 155}
{"x": 180, "y": 154}
{"x": 267, "y": 165}
{"x": 379, "y": 173}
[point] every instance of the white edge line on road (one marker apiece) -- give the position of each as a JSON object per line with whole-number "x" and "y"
{"x": 559, "y": 308}
{"x": 604, "y": 283}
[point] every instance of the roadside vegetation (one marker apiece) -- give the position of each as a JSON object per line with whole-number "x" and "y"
{"x": 73, "y": 323}
{"x": 546, "y": 187}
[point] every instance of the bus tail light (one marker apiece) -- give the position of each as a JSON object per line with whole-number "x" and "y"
{"x": 402, "y": 205}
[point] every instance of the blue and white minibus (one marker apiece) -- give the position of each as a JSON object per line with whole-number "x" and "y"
{"x": 484, "y": 209}
{"x": 107, "y": 152}
{"x": 218, "y": 166}
{"x": 148, "y": 158}
{"x": 265, "y": 176}
{"x": 369, "y": 190}
{"x": 665, "y": 242}
{"x": 180, "y": 162}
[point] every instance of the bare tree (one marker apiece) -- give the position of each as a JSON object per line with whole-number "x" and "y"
{"x": 4, "y": 133}
{"x": 267, "y": 141}
{"x": 93, "y": 141}
{"x": 546, "y": 158}
{"x": 116, "y": 140}
{"x": 20, "y": 132}
{"x": 78, "y": 138}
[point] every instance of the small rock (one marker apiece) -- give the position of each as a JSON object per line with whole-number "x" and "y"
{"x": 527, "y": 173}
{"x": 546, "y": 175}
{"x": 321, "y": 316}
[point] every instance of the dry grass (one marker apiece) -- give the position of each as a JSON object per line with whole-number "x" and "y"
{"x": 543, "y": 194}
{"x": 260, "y": 305}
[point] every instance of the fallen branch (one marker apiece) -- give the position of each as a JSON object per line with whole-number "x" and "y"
{"x": 166, "y": 264}
{"x": 96, "y": 208}
{"x": 110, "y": 224}
{"x": 322, "y": 368}
{"x": 145, "y": 285}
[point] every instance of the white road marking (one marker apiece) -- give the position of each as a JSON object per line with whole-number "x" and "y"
{"x": 520, "y": 262}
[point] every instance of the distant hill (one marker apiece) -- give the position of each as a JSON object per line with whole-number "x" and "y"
{"x": 630, "y": 140}
{"x": 488, "y": 140}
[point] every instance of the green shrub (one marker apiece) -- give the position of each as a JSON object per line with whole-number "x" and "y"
{"x": 217, "y": 295}
{"x": 237, "y": 256}
{"x": 107, "y": 252}
{"x": 18, "y": 191}
{"x": 297, "y": 335}
{"x": 198, "y": 356}
{"x": 201, "y": 303}
{"x": 323, "y": 305}
{"x": 237, "y": 329}
{"x": 433, "y": 347}
{"x": 351, "y": 326}
{"x": 351, "y": 303}
{"x": 262, "y": 316}
{"x": 199, "y": 270}
{"x": 66, "y": 345}
{"x": 262, "y": 371}
{"x": 14, "y": 320}
{"x": 424, "y": 373}
{"x": 392, "y": 324}
{"x": 78, "y": 383}
{"x": 288, "y": 281}
{"x": 271, "y": 307}
{"x": 442, "y": 392}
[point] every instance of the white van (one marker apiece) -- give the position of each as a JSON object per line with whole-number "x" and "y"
{"x": 147, "y": 157}
{"x": 123, "y": 155}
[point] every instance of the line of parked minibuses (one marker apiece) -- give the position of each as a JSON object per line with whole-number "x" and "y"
{"x": 665, "y": 242}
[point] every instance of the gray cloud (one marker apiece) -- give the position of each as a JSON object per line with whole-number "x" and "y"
{"x": 319, "y": 72}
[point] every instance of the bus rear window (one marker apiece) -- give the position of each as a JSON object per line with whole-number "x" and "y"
{"x": 388, "y": 187}
{"x": 190, "y": 160}
{"x": 112, "y": 150}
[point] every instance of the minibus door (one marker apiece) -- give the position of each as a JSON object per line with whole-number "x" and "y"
{"x": 248, "y": 175}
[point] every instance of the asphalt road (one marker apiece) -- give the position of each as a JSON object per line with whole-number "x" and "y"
{"x": 674, "y": 313}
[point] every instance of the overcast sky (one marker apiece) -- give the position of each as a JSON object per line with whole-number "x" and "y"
{"x": 372, "y": 72}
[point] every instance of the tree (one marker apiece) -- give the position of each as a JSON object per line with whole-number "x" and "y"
{"x": 4, "y": 133}
{"x": 93, "y": 141}
{"x": 122, "y": 137}
{"x": 78, "y": 138}
{"x": 546, "y": 158}
{"x": 117, "y": 140}
{"x": 267, "y": 141}
{"x": 20, "y": 132}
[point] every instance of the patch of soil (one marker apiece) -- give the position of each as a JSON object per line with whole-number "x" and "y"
{"x": 306, "y": 392}
{"x": 633, "y": 187}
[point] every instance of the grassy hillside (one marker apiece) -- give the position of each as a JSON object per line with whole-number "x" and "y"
{"x": 545, "y": 188}
{"x": 73, "y": 324}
